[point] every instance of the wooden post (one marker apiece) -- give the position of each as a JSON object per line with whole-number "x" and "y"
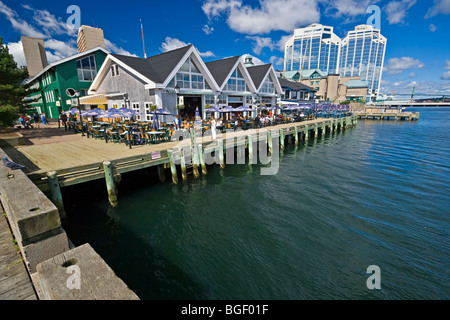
{"x": 173, "y": 168}
{"x": 55, "y": 191}
{"x": 110, "y": 183}
{"x": 296, "y": 135}
{"x": 281, "y": 139}
{"x": 202, "y": 158}
{"x": 269, "y": 141}
{"x": 221, "y": 157}
{"x": 306, "y": 132}
{"x": 250, "y": 148}
{"x": 183, "y": 165}
{"x": 316, "y": 130}
{"x": 161, "y": 174}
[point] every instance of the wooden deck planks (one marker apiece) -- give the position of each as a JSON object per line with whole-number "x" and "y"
{"x": 15, "y": 283}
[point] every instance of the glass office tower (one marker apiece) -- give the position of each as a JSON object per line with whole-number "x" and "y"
{"x": 362, "y": 54}
{"x": 313, "y": 47}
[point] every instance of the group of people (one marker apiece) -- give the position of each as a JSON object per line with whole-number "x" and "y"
{"x": 27, "y": 121}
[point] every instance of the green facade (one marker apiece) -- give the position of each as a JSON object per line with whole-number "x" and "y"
{"x": 57, "y": 80}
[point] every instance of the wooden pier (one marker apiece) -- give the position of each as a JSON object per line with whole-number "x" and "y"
{"x": 57, "y": 165}
{"x": 381, "y": 115}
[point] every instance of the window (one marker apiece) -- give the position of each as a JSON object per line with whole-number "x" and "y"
{"x": 268, "y": 86}
{"x": 312, "y": 83}
{"x": 47, "y": 79}
{"x": 236, "y": 82}
{"x": 189, "y": 77}
{"x": 86, "y": 68}
{"x": 209, "y": 99}
{"x": 317, "y": 83}
{"x": 148, "y": 111}
{"x": 114, "y": 70}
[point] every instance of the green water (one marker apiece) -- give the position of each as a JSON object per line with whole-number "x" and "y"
{"x": 376, "y": 194}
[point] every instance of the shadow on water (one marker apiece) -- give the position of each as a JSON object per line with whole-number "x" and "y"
{"x": 91, "y": 219}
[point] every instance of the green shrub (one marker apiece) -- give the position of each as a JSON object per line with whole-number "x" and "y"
{"x": 8, "y": 115}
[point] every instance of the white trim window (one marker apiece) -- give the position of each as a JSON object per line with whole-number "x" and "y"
{"x": 46, "y": 79}
{"x": 268, "y": 86}
{"x": 148, "y": 111}
{"x": 115, "y": 70}
{"x": 189, "y": 77}
{"x": 135, "y": 107}
{"x": 86, "y": 68}
{"x": 236, "y": 82}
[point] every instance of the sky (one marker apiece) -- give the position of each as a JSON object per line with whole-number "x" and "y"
{"x": 417, "y": 54}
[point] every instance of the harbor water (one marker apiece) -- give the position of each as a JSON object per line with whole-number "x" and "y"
{"x": 376, "y": 194}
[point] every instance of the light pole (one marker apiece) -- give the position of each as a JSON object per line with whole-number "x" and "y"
{"x": 177, "y": 91}
{"x": 77, "y": 93}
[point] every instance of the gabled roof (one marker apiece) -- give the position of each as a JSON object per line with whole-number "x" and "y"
{"x": 76, "y": 56}
{"x": 258, "y": 73}
{"x": 156, "y": 68}
{"x": 306, "y": 74}
{"x": 220, "y": 69}
{"x": 291, "y": 74}
{"x": 294, "y": 85}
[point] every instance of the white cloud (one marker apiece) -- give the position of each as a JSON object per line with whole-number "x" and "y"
{"x": 412, "y": 75}
{"x": 111, "y": 47}
{"x": 271, "y": 15}
{"x": 16, "y": 49}
{"x": 447, "y": 65}
{"x": 398, "y": 65}
{"x": 207, "y": 54}
{"x": 276, "y": 61}
{"x": 65, "y": 49}
{"x": 432, "y": 28}
{"x": 396, "y": 11}
{"x": 173, "y": 43}
{"x": 259, "y": 43}
{"x": 439, "y": 7}
{"x": 49, "y": 23}
{"x": 446, "y": 74}
{"x": 347, "y": 8}
{"x": 18, "y": 24}
{"x": 207, "y": 29}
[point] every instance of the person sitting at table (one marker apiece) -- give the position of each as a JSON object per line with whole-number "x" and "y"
{"x": 135, "y": 130}
{"x": 186, "y": 125}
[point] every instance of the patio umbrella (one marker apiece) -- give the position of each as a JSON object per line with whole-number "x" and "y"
{"x": 212, "y": 110}
{"x": 94, "y": 112}
{"x": 227, "y": 109}
{"x": 72, "y": 111}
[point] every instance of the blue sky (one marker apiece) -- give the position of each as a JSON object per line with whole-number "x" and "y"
{"x": 417, "y": 55}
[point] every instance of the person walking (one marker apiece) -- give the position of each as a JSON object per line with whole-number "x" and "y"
{"x": 176, "y": 122}
{"x": 43, "y": 119}
{"x": 36, "y": 119}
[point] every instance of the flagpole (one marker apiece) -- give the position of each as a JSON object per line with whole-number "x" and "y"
{"x": 143, "y": 44}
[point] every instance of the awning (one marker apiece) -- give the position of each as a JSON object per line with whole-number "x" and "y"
{"x": 95, "y": 99}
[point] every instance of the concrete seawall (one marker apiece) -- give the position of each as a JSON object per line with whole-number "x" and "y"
{"x": 36, "y": 224}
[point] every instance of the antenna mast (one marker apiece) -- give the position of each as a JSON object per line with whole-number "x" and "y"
{"x": 143, "y": 44}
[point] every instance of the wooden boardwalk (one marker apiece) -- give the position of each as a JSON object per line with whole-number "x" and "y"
{"x": 15, "y": 283}
{"x": 83, "y": 160}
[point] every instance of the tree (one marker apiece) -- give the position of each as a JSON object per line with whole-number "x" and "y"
{"x": 12, "y": 90}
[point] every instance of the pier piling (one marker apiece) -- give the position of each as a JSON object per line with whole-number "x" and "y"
{"x": 55, "y": 191}
{"x": 110, "y": 183}
{"x": 173, "y": 168}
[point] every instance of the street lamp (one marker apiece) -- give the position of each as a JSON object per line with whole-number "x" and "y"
{"x": 77, "y": 93}
{"x": 177, "y": 91}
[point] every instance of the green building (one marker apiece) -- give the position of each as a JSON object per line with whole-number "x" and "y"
{"x": 76, "y": 72}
